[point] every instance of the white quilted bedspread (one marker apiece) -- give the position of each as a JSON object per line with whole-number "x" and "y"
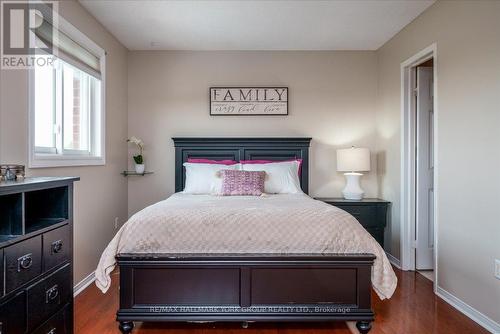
{"x": 278, "y": 224}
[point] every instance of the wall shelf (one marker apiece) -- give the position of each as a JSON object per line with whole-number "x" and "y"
{"x": 133, "y": 173}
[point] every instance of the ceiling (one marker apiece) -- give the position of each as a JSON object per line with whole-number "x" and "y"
{"x": 255, "y": 25}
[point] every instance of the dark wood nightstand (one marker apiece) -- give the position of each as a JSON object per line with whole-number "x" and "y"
{"x": 370, "y": 212}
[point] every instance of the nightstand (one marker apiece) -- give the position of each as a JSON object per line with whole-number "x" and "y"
{"x": 370, "y": 212}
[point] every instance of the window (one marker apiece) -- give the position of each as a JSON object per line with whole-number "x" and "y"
{"x": 67, "y": 103}
{"x": 67, "y": 109}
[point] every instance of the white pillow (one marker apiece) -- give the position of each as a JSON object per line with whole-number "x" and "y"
{"x": 203, "y": 178}
{"x": 281, "y": 177}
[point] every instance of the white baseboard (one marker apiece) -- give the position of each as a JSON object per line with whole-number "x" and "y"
{"x": 84, "y": 283}
{"x": 393, "y": 260}
{"x": 483, "y": 320}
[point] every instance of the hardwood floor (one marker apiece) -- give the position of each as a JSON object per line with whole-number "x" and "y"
{"x": 413, "y": 309}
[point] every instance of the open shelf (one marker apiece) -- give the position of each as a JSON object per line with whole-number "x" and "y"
{"x": 32, "y": 210}
{"x": 133, "y": 173}
{"x": 11, "y": 216}
{"x": 5, "y": 238}
{"x": 36, "y": 225}
{"x": 44, "y": 208}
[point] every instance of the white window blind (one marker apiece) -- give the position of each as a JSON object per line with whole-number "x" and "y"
{"x": 67, "y": 49}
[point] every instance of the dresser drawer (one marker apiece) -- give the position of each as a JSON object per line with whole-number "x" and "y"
{"x": 13, "y": 315}
{"x": 56, "y": 247}
{"x": 23, "y": 262}
{"x": 48, "y": 296}
{"x": 366, "y": 214}
{"x": 57, "y": 324}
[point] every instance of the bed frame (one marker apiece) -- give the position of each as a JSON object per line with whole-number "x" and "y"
{"x": 244, "y": 287}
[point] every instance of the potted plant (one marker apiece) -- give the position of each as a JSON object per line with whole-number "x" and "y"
{"x": 138, "y": 159}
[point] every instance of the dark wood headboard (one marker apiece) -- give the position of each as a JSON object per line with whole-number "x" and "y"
{"x": 241, "y": 149}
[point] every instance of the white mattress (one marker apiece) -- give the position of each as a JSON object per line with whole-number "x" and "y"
{"x": 279, "y": 224}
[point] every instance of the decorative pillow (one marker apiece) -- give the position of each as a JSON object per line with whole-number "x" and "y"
{"x": 239, "y": 182}
{"x": 272, "y": 162}
{"x": 204, "y": 178}
{"x": 213, "y": 162}
{"x": 281, "y": 177}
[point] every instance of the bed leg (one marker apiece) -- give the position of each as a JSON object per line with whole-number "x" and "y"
{"x": 364, "y": 326}
{"x": 126, "y": 327}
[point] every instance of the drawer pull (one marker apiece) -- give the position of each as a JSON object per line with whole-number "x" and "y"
{"x": 52, "y": 331}
{"x": 24, "y": 262}
{"x": 57, "y": 246}
{"x": 51, "y": 294}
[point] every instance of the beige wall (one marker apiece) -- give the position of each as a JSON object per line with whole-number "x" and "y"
{"x": 468, "y": 66}
{"x": 101, "y": 195}
{"x": 331, "y": 98}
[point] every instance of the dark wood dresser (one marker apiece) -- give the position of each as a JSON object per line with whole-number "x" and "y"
{"x": 36, "y": 249}
{"x": 370, "y": 212}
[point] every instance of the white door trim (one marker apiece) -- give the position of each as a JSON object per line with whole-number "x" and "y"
{"x": 408, "y": 161}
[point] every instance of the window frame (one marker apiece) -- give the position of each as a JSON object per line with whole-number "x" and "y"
{"x": 39, "y": 159}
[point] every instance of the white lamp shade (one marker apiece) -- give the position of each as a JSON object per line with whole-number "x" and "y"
{"x": 353, "y": 160}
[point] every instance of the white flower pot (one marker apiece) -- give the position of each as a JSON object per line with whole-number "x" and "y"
{"x": 139, "y": 169}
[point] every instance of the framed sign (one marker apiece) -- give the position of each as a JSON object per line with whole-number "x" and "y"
{"x": 235, "y": 101}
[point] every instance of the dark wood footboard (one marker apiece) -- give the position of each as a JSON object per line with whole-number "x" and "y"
{"x": 245, "y": 288}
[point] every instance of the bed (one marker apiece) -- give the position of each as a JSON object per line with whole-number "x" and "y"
{"x": 203, "y": 258}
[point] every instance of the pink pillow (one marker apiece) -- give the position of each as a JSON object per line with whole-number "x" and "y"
{"x": 248, "y": 162}
{"x": 242, "y": 182}
{"x": 213, "y": 162}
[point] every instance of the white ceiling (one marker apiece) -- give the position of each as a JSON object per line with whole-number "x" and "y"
{"x": 255, "y": 25}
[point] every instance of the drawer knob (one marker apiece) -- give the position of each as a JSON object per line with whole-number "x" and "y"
{"x": 57, "y": 246}
{"x": 24, "y": 262}
{"x": 51, "y": 294}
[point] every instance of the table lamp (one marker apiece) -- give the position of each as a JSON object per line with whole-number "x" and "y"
{"x": 352, "y": 161}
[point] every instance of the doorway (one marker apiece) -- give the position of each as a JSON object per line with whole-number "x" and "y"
{"x": 424, "y": 167}
{"x": 418, "y": 166}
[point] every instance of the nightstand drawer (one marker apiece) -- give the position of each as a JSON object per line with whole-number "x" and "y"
{"x": 370, "y": 212}
{"x": 366, "y": 215}
{"x": 377, "y": 233}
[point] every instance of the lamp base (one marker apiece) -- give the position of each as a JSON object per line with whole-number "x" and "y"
{"x": 352, "y": 189}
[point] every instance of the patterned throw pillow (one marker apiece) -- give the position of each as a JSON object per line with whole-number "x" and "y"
{"x": 240, "y": 182}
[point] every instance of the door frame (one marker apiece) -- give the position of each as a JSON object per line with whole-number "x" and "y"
{"x": 408, "y": 126}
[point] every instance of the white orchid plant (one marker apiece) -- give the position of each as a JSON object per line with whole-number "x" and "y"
{"x": 140, "y": 144}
